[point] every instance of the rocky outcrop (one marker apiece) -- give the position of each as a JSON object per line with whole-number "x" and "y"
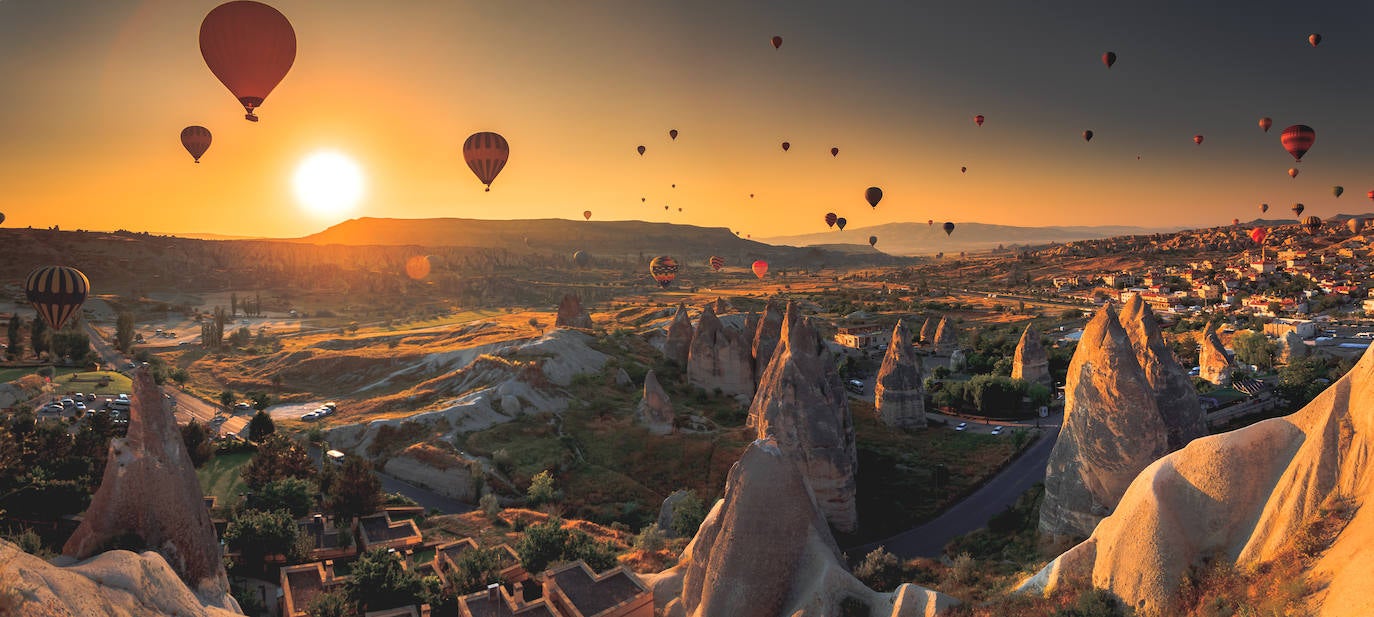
{"x": 928, "y": 332}
{"x": 1112, "y": 429}
{"x": 150, "y": 490}
{"x": 719, "y": 358}
{"x": 571, "y": 314}
{"x": 946, "y": 339}
{"x": 1245, "y": 498}
{"x": 680, "y": 333}
{"x": 765, "y": 550}
{"x": 898, "y": 396}
{"x": 113, "y": 583}
{"x": 1292, "y": 347}
{"x": 722, "y": 306}
{"x": 802, "y": 404}
{"x": 622, "y": 379}
{"x": 655, "y": 411}
{"x": 668, "y": 509}
{"x": 766, "y": 336}
{"x": 1030, "y": 362}
{"x": 1213, "y": 363}
{"x": 441, "y": 470}
{"x": 1175, "y": 396}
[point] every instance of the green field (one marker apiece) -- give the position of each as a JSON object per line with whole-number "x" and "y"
{"x": 220, "y": 476}
{"x": 11, "y": 374}
{"x": 89, "y": 382}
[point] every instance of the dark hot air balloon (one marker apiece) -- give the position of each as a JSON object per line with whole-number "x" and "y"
{"x": 1109, "y": 59}
{"x": 664, "y": 269}
{"x": 1297, "y": 140}
{"x": 1265, "y": 123}
{"x": 841, "y": 222}
{"x": 673, "y": 134}
{"x": 830, "y": 219}
{"x": 834, "y": 152}
{"x": 777, "y": 42}
{"x": 1297, "y": 209}
{"x": 978, "y": 119}
{"x": 1258, "y": 234}
{"x": 963, "y": 170}
{"x": 873, "y": 195}
{"x": 1337, "y": 190}
{"x": 873, "y": 240}
{"x": 1314, "y": 39}
{"x": 760, "y": 268}
{"x": 949, "y": 228}
{"x": 587, "y": 214}
{"x": 2, "y": 217}
{"x": 1312, "y": 224}
{"x": 57, "y": 293}
{"x": 1197, "y": 139}
{"x": 786, "y": 146}
{"x": 930, "y": 222}
{"x": 1087, "y": 135}
{"x": 641, "y": 150}
{"x": 1264, "y": 208}
{"x": 486, "y": 154}
{"x": 250, "y": 47}
{"x": 196, "y": 140}
{"x": 717, "y": 262}
{"x": 582, "y": 258}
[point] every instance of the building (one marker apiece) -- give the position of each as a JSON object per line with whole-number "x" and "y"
{"x": 409, "y": 611}
{"x": 300, "y": 584}
{"x": 860, "y": 336}
{"x": 497, "y": 602}
{"x": 328, "y": 540}
{"x": 1280, "y": 328}
{"x": 1264, "y": 266}
{"x": 1369, "y": 306}
{"x": 575, "y": 591}
{"x": 379, "y": 531}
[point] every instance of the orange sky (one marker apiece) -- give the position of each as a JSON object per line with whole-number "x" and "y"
{"x": 92, "y": 140}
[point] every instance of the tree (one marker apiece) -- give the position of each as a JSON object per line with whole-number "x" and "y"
{"x": 292, "y": 494}
{"x": 1254, "y": 348}
{"x": 197, "y": 442}
{"x": 475, "y": 569}
{"x": 260, "y": 426}
{"x": 226, "y": 398}
{"x": 257, "y": 534}
{"x": 356, "y": 491}
{"x": 490, "y": 506}
{"x": 542, "y": 544}
{"x": 330, "y": 604}
{"x": 261, "y": 400}
{"x": 880, "y": 570}
{"x": 378, "y": 582}
{"x": 277, "y": 457}
{"x": 38, "y": 336}
{"x": 541, "y": 490}
{"x": 124, "y": 331}
{"x": 599, "y": 556}
{"x": 16, "y": 339}
{"x": 688, "y": 515}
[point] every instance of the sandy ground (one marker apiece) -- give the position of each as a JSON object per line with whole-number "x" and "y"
{"x": 293, "y": 411}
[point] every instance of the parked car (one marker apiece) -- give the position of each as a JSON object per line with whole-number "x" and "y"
{"x": 80, "y": 406}
{"x": 67, "y": 402}
{"x": 963, "y": 426}
{"x": 996, "y": 430}
{"x": 311, "y": 415}
{"x": 54, "y": 408}
{"x": 854, "y": 385}
{"x": 242, "y": 407}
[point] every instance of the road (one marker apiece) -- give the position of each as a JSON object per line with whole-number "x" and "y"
{"x": 184, "y": 406}
{"x": 974, "y": 512}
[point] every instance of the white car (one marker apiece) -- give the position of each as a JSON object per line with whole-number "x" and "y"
{"x": 54, "y": 408}
{"x": 81, "y": 407}
{"x": 312, "y": 415}
{"x": 997, "y": 430}
{"x": 242, "y": 407}
{"x": 963, "y": 426}
{"x": 66, "y": 402}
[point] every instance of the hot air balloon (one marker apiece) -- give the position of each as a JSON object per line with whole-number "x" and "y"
{"x": 673, "y": 134}
{"x": 1354, "y": 224}
{"x": 930, "y": 222}
{"x": 1197, "y": 139}
{"x": 641, "y": 150}
{"x": 196, "y": 140}
{"x": 1315, "y": 39}
{"x": 1087, "y": 135}
{"x": 582, "y": 258}
{"x": 873, "y": 240}
{"x": 949, "y": 228}
{"x": 587, "y": 214}
{"x": 834, "y": 152}
{"x": 486, "y": 154}
{"x": 250, "y": 47}
{"x": 1109, "y": 59}
{"x": 841, "y": 222}
{"x": 830, "y": 219}
{"x": 1264, "y": 208}
{"x": 673, "y": 186}
{"x": 760, "y": 268}
{"x": 1292, "y": 172}
{"x": 1297, "y": 209}
{"x": 1258, "y": 234}
{"x": 1369, "y": 195}
{"x": 716, "y": 262}
{"x": 786, "y": 146}
{"x": 978, "y": 119}
{"x": 57, "y": 293}
{"x": 643, "y": 199}
{"x": 1312, "y": 224}
{"x": 963, "y": 170}
{"x": 2, "y": 217}
{"x": 1297, "y": 140}
{"x": 664, "y": 269}
{"x": 1235, "y": 221}
{"x": 777, "y": 42}
{"x": 1337, "y": 190}
{"x": 1265, "y": 123}
{"x": 873, "y": 195}
{"x": 679, "y": 209}
{"x": 665, "y": 208}
{"x": 417, "y": 267}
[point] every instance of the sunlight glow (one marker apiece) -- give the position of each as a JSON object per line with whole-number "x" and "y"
{"x": 328, "y": 183}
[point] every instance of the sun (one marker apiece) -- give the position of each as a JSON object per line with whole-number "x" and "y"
{"x": 328, "y": 183}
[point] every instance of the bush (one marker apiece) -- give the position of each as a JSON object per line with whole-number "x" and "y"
{"x": 688, "y": 515}
{"x": 600, "y": 556}
{"x": 964, "y": 568}
{"x": 650, "y": 539}
{"x": 542, "y": 544}
{"x": 880, "y": 570}
{"x": 1095, "y": 603}
{"x": 490, "y": 506}
{"x": 541, "y": 489}
{"x": 329, "y": 604}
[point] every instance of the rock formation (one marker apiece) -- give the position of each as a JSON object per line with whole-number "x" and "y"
{"x": 1292, "y": 347}
{"x": 680, "y": 331}
{"x": 766, "y": 336}
{"x": 622, "y": 379}
{"x": 1244, "y": 498}
{"x": 719, "y": 358}
{"x": 722, "y": 306}
{"x": 764, "y": 550}
{"x": 1175, "y": 396}
{"x": 945, "y": 338}
{"x": 439, "y": 469}
{"x": 668, "y": 509}
{"x": 1030, "y": 362}
{"x": 928, "y": 332}
{"x": 802, "y": 404}
{"x": 1112, "y": 429}
{"x": 898, "y": 396}
{"x": 1213, "y": 363}
{"x": 113, "y": 583}
{"x": 655, "y": 411}
{"x": 571, "y": 314}
{"x": 150, "y": 490}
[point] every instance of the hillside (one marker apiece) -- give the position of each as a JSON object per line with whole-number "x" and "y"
{"x": 924, "y": 239}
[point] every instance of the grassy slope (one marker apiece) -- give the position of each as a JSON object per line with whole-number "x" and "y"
{"x": 220, "y": 476}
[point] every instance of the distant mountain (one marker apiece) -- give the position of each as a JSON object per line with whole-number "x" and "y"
{"x": 923, "y": 239}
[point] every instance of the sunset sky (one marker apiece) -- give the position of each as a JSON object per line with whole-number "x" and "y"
{"x": 97, "y": 93}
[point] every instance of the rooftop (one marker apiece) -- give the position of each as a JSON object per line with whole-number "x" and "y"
{"x": 592, "y": 594}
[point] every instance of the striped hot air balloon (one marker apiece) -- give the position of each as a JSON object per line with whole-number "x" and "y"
{"x": 196, "y": 140}
{"x": 486, "y": 153}
{"x": 717, "y": 262}
{"x": 1312, "y": 224}
{"x": 1298, "y": 139}
{"x": 830, "y": 217}
{"x": 664, "y": 269}
{"x": 57, "y": 293}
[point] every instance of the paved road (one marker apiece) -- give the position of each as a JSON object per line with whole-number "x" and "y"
{"x": 974, "y": 512}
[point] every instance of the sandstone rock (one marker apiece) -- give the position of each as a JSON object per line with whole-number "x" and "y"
{"x": 958, "y": 361}
{"x": 571, "y": 314}
{"x": 928, "y": 332}
{"x": 1213, "y": 363}
{"x": 680, "y": 334}
{"x": 655, "y": 411}
{"x": 1030, "y": 362}
{"x": 946, "y": 339}
{"x": 802, "y": 404}
{"x": 622, "y": 379}
{"x": 112, "y": 583}
{"x": 1175, "y": 396}
{"x": 765, "y": 550}
{"x": 442, "y": 471}
{"x": 722, "y": 306}
{"x": 666, "y": 511}
{"x": 150, "y": 489}
{"x": 898, "y": 395}
{"x": 719, "y": 358}
{"x": 1112, "y": 429}
{"x": 1292, "y": 347}
{"x": 765, "y": 338}
{"x": 1242, "y": 498}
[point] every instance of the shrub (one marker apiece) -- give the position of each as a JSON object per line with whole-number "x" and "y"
{"x": 650, "y": 539}
{"x": 688, "y": 515}
{"x": 880, "y": 570}
{"x": 541, "y": 489}
{"x": 542, "y": 544}
{"x": 964, "y": 568}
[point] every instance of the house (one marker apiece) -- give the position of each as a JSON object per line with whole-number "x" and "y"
{"x": 300, "y": 584}
{"x": 329, "y": 542}
{"x": 575, "y": 591}
{"x": 379, "y": 531}
{"x": 1280, "y": 328}
{"x": 859, "y": 336}
{"x": 497, "y": 602}
{"x": 409, "y": 611}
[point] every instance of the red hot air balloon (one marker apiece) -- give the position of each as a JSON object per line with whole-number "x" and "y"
{"x": 760, "y": 268}
{"x": 786, "y": 146}
{"x": 830, "y": 217}
{"x": 1297, "y": 140}
{"x": 57, "y": 293}
{"x": 1087, "y": 135}
{"x": 587, "y": 214}
{"x": 930, "y": 222}
{"x": 196, "y": 140}
{"x": 673, "y": 134}
{"x": 978, "y": 119}
{"x": 1197, "y": 139}
{"x": 1265, "y": 123}
{"x": 873, "y": 195}
{"x": 834, "y": 152}
{"x": 1292, "y": 172}
{"x": 717, "y": 263}
{"x": 1258, "y": 234}
{"x": 1109, "y": 59}
{"x": 963, "y": 170}
{"x": 1314, "y": 39}
{"x": 1235, "y": 221}
{"x": 641, "y": 150}
{"x": 1370, "y": 194}
{"x": 777, "y": 42}
{"x": 841, "y": 222}
{"x": 486, "y": 154}
{"x": 949, "y": 228}
{"x": 250, "y": 47}
{"x": 664, "y": 269}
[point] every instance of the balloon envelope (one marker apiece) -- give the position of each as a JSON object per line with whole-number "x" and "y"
{"x": 716, "y": 262}
{"x": 1337, "y": 190}
{"x": 196, "y": 140}
{"x": 777, "y": 42}
{"x": 672, "y": 133}
{"x": 978, "y": 119}
{"x": 786, "y": 146}
{"x": 1264, "y": 208}
{"x": 1298, "y": 139}
{"x": 250, "y": 47}
{"x": 1314, "y": 39}
{"x": 1197, "y": 139}
{"x": 834, "y": 152}
{"x": 486, "y": 154}
{"x": 1265, "y": 123}
{"x": 873, "y": 240}
{"x": 417, "y": 267}
{"x": 841, "y": 222}
{"x": 1087, "y": 135}
{"x": 641, "y": 150}
{"x": 949, "y": 228}
{"x": 1297, "y": 209}
{"x": 1109, "y": 58}
{"x": 1292, "y": 172}
{"x": 1313, "y": 224}
{"x": 587, "y": 214}
{"x": 1258, "y": 234}
{"x": 57, "y": 293}
{"x": 830, "y": 219}
{"x": 1354, "y": 224}
{"x": 760, "y": 268}
{"x": 873, "y": 195}
{"x": 582, "y": 258}
{"x": 664, "y": 269}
